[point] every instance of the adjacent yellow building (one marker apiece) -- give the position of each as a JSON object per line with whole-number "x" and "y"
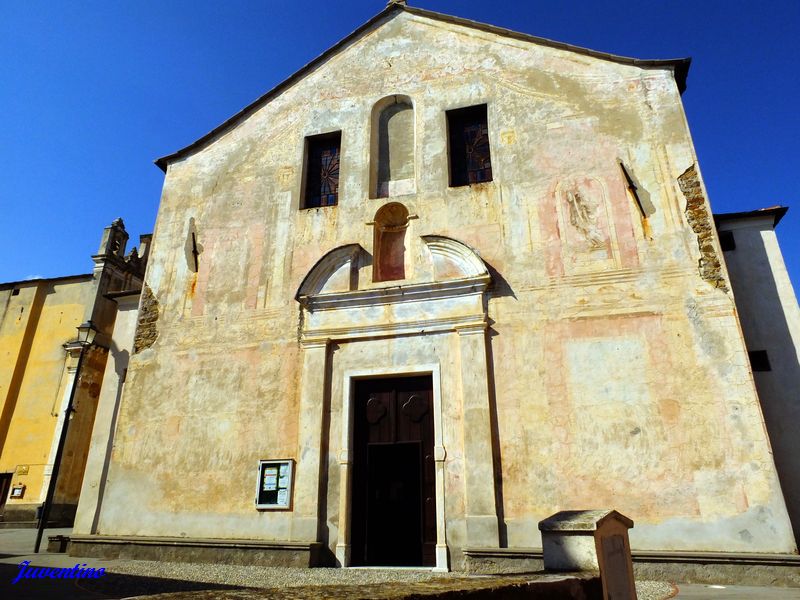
{"x": 38, "y": 362}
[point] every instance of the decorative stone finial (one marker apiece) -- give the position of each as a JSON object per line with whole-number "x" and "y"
{"x": 400, "y": 2}
{"x": 114, "y": 239}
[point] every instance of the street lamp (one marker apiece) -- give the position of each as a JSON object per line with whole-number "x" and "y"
{"x": 86, "y": 334}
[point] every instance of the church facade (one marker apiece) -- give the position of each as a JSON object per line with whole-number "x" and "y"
{"x": 443, "y": 282}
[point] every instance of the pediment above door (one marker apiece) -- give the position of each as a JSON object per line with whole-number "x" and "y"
{"x": 338, "y": 302}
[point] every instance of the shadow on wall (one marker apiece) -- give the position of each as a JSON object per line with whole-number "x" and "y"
{"x": 499, "y": 288}
{"x": 502, "y": 527}
{"x": 121, "y": 359}
{"x": 327, "y": 467}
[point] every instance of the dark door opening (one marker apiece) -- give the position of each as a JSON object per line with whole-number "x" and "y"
{"x": 393, "y": 511}
{"x": 5, "y": 486}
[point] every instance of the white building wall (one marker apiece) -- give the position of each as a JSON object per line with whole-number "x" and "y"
{"x": 770, "y": 319}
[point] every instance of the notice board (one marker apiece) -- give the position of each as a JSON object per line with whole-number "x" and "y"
{"x": 274, "y": 485}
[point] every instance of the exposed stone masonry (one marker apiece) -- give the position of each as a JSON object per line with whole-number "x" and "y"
{"x": 702, "y": 224}
{"x": 146, "y": 329}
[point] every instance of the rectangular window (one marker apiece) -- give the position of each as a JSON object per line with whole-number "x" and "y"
{"x": 759, "y": 360}
{"x": 322, "y": 170}
{"x": 468, "y": 133}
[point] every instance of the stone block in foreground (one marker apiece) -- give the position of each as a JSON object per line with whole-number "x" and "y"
{"x": 594, "y": 541}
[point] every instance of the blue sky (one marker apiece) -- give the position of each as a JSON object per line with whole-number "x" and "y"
{"x": 92, "y": 92}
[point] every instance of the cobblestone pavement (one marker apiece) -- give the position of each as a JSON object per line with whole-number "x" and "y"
{"x": 383, "y": 585}
{"x": 735, "y": 592}
{"x": 366, "y": 581}
{"x": 127, "y": 578}
{"x": 200, "y": 582}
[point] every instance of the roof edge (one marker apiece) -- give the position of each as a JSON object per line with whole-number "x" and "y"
{"x": 122, "y": 294}
{"x": 164, "y": 161}
{"x": 680, "y": 66}
{"x": 776, "y": 212}
{"x": 37, "y": 280}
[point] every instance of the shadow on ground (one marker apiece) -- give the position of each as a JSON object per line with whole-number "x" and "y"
{"x": 107, "y": 587}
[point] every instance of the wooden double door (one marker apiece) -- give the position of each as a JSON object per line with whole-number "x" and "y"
{"x": 393, "y": 510}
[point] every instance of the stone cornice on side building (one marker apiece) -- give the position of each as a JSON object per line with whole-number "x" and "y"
{"x": 775, "y": 212}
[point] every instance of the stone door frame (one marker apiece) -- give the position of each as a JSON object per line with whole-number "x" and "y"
{"x": 346, "y": 454}
{"x": 337, "y": 306}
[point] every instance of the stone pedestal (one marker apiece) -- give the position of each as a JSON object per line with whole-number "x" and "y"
{"x": 591, "y": 540}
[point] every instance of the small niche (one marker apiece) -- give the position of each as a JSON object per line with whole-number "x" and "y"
{"x": 392, "y": 148}
{"x": 389, "y": 242}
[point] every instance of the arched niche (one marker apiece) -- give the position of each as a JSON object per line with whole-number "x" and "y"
{"x": 392, "y": 165}
{"x": 337, "y": 271}
{"x": 389, "y": 242}
{"x": 453, "y": 259}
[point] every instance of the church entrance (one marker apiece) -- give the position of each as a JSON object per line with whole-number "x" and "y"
{"x": 393, "y": 510}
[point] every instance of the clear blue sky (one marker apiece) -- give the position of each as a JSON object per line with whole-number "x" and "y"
{"x": 92, "y": 92}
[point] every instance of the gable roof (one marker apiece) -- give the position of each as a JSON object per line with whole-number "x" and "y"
{"x": 680, "y": 66}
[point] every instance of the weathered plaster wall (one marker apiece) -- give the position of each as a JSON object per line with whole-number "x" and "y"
{"x": 618, "y": 374}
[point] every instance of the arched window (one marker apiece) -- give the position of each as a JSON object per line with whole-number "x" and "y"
{"x": 389, "y": 242}
{"x": 392, "y": 163}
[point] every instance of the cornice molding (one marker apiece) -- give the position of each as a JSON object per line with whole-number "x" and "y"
{"x": 463, "y": 325}
{"x": 414, "y": 292}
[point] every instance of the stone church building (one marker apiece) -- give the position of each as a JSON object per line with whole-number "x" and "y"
{"x": 442, "y": 282}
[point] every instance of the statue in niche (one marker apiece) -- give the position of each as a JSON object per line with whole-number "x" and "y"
{"x": 583, "y": 217}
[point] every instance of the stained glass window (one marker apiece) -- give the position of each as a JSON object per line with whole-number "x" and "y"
{"x": 322, "y": 170}
{"x": 470, "y": 158}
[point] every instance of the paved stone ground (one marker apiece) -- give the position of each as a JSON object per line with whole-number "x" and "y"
{"x": 505, "y": 588}
{"x": 127, "y": 578}
{"x": 735, "y": 592}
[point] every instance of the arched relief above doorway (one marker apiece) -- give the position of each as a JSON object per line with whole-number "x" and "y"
{"x": 392, "y": 148}
{"x": 446, "y": 294}
{"x": 453, "y": 259}
{"x": 337, "y": 271}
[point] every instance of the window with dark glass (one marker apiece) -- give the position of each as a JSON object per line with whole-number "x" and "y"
{"x": 322, "y": 170}
{"x": 726, "y": 241}
{"x": 468, "y": 132}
